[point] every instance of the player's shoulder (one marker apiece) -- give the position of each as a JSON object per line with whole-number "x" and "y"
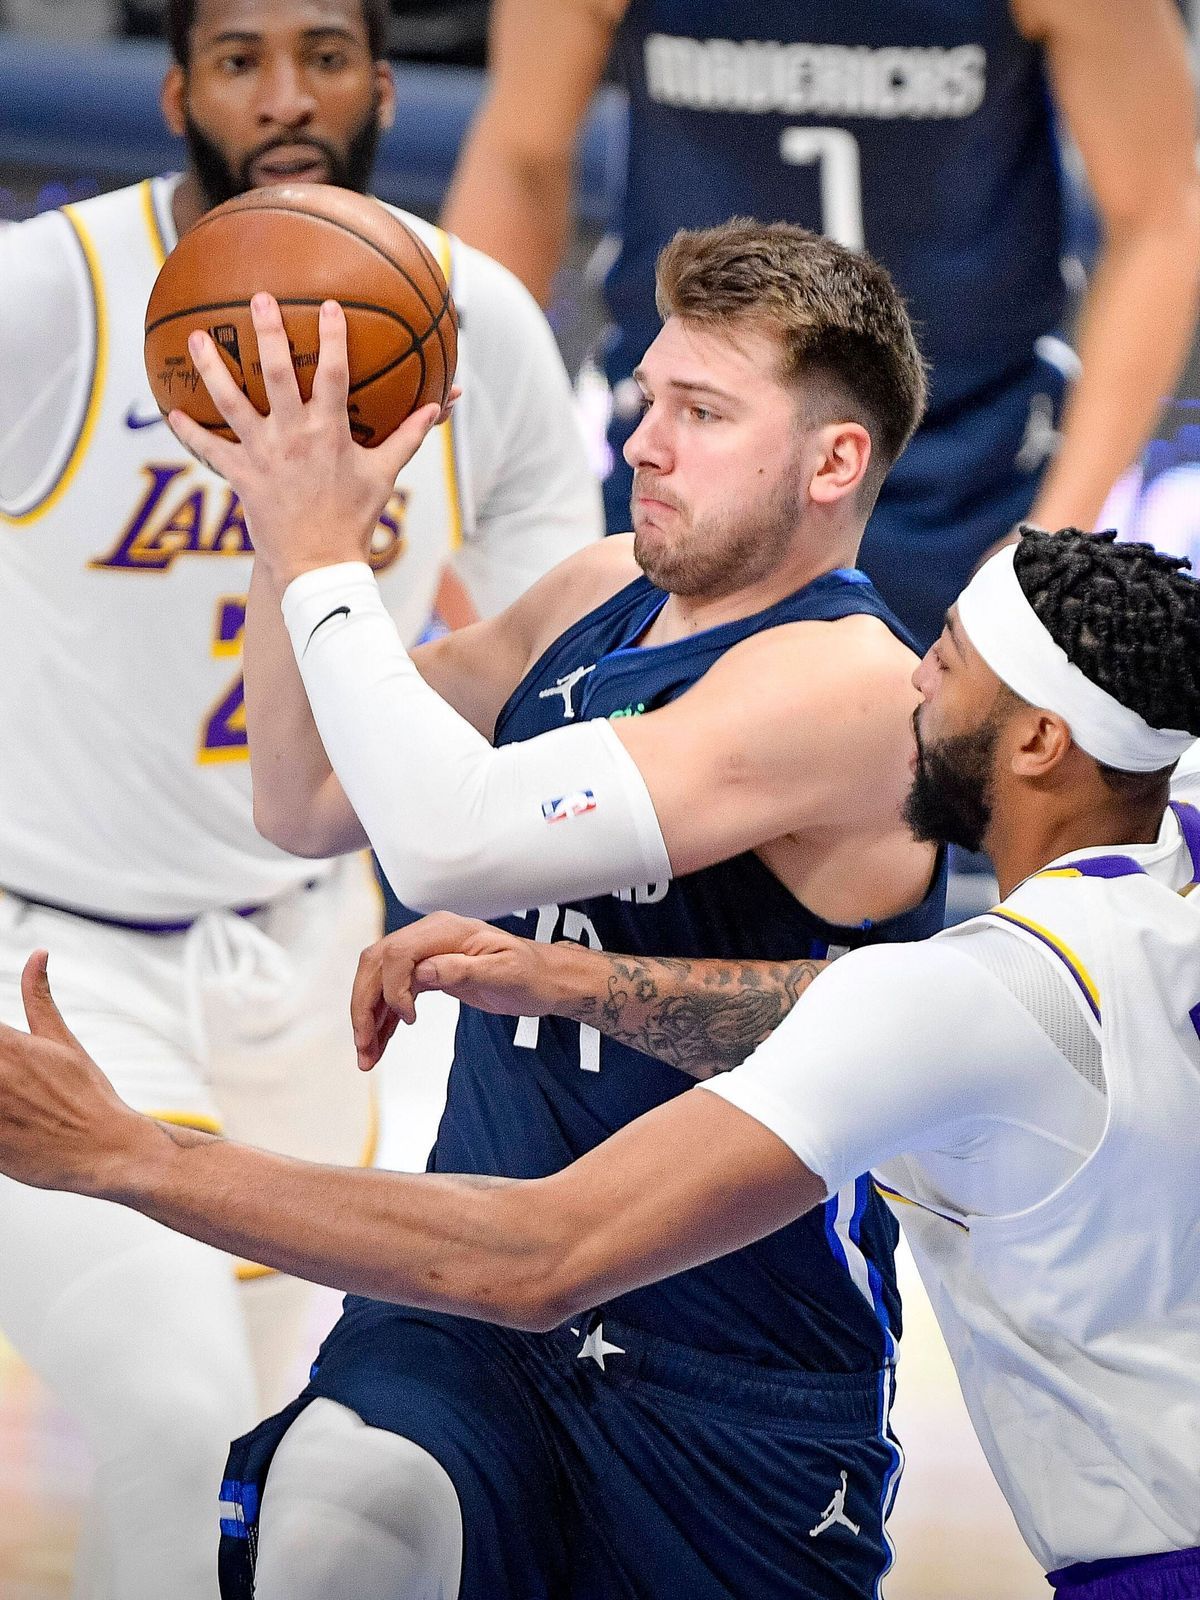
{"x": 68, "y": 232}
{"x": 576, "y": 586}
{"x": 44, "y": 238}
{"x": 811, "y": 660}
{"x": 482, "y": 287}
{"x": 136, "y": 204}
{"x": 592, "y": 575}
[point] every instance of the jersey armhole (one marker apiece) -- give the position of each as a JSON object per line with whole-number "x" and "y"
{"x": 57, "y": 476}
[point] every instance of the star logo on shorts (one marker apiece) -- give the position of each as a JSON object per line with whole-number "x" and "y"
{"x": 595, "y": 1347}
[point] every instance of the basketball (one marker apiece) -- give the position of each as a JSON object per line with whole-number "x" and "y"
{"x": 305, "y": 243}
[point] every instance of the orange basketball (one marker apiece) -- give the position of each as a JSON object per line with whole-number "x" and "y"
{"x": 305, "y": 243}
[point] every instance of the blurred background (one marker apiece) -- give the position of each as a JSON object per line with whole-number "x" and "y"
{"x": 79, "y": 114}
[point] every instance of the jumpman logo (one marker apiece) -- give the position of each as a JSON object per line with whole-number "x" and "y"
{"x": 566, "y": 687}
{"x": 834, "y": 1512}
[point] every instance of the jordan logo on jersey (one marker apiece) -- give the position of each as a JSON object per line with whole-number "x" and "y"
{"x": 566, "y": 687}
{"x": 181, "y": 515}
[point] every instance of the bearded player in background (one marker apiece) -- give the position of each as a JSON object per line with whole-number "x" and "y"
{"x": 207, "y": 968}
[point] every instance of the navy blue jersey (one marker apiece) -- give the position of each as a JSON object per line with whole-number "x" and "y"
{"x": 526, "y": 1097}
{"x": 921, "y": 130}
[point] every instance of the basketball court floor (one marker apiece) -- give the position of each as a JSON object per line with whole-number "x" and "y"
{"x": 954, "y": 1535}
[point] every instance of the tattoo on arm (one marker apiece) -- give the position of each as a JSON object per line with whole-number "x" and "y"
{"x": 702, "y": 1017}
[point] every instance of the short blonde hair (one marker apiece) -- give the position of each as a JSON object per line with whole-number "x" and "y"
{"x": 846, "y": 336}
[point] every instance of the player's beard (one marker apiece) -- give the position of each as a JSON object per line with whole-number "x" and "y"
{"x": 951, "y": 797}
{"x": 719, "y": 554}
{"x": 220, "y": 179}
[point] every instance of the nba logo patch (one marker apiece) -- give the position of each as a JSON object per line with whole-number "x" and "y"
{"x": 569, "y": 805}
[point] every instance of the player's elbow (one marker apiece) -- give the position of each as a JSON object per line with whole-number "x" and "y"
{"x": 304, "y": 830}
{"x": 548, "y": 1274}
{"x": 445, "y": 878}
{"x": 286, "y": 827}
{"x": 546, "y": 1299}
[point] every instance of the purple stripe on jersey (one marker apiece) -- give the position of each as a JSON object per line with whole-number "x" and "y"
{"x": 1106, "y": 867}
{"x": 1174, "y": 1575}
{"x": 1188, "y": 819}
{"x": 1019, "y": 922}
{"x": 124, "y": 923}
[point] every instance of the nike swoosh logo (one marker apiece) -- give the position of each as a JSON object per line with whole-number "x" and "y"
{"x": 133, "y": 420}
{"x": 338, "y": 611}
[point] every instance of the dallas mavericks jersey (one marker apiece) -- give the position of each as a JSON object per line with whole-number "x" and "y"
{"x": 920, "y": 131}
{"x": 528, "y": 1096}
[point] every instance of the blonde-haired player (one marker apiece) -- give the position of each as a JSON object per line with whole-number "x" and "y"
{"x": 1028, "y": 1083}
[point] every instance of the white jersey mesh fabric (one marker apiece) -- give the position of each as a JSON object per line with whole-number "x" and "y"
{"x": 1039, "y": 984}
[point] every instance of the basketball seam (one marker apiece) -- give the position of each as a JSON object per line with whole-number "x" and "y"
{"x": 316, "y": 216}
{"x": 417, "y": 348}
{"x": 416, "y": 341}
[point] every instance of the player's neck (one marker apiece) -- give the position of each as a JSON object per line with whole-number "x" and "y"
{"x": 684, "y": 615}
{"x": 1022, "y": 840}
{"x": 188, "y": 203}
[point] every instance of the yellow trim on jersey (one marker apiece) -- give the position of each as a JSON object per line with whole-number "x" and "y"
{"x": 449, "y": 462}
{"x": 153, "y": 227}
{"x": 1063, "y": 950}
{"x": 904, "y": 1200}
{"x": 214, "y": 758}
{"x": 99, "y": 369}
{"x": 249, "y": 1271}
{"x": 187, "y": 1119}
{"x": 1060, "y": 872}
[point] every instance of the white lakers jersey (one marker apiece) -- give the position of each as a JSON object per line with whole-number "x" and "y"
{"x": 1025, "y": 1088}
{"x": 124, "y": 564}
{"x": 1074, "y": 1323}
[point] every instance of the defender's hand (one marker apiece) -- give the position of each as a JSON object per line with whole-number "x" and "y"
{"x": 62, "y": 1125}
{"x": 311, "y": 495}
{"x": 470, "y": 960}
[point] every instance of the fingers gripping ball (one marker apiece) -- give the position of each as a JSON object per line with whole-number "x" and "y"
{"x": 305, "y": 243}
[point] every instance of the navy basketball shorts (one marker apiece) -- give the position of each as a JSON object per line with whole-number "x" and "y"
{"x": 596, "y": 1463}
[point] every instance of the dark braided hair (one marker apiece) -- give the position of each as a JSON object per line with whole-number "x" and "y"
{"x": 181, "y": 19}
{"x": 1125, "y": 614}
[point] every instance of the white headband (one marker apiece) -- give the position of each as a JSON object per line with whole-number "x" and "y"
{"x": 1004, "y": 628}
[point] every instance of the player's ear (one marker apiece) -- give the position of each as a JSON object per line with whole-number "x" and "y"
{"x": 843, "y": 451}
{"x": 1041, "y": 743}
{"x": 385, "y": 87}
{"x": 173, "y": 99}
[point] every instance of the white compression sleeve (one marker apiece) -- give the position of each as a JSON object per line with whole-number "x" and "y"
{"x": 456, "y": 824}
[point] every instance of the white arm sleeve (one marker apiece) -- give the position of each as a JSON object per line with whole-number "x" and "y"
{"x": 46, "y": 347}
{"x": 531, "y": 498}
{"x": 456, "y": 824}
{"x": 897, "y": 1050}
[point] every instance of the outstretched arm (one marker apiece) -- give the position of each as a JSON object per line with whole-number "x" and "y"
{"x": 701, "y": 1016}
{"x": 692, "y": 1180}
{"x": 886, "y": 1056}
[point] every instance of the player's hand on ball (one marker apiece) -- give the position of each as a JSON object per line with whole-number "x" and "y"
{"x": 62, "y": 1125}
{"x": 311, "y": 496}
{"x": 470, "y": 960}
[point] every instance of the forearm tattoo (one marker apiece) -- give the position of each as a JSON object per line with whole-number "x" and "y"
{"x": 702, "y": 1017}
